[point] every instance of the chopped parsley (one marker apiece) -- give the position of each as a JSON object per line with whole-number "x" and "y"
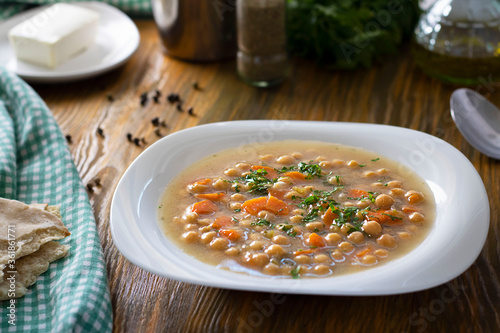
{"x": 256, "y": 181}
{"x": 288, "y": 229}
{"x": 375, "y": 159}
{"x": 263, "y": 222}
{"x": 309, "y": 170}
{"x": 295, "y": 272}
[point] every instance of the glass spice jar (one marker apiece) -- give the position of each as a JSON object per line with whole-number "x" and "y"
{"x": 262, "y": 58}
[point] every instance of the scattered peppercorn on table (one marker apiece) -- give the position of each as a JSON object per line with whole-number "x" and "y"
{"x": 109, "y": 120}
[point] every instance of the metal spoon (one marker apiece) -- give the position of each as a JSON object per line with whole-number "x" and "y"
{"x": 478, "y": 120}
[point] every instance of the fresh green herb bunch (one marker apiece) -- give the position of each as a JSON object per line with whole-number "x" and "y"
{"x": 349, "y": 34}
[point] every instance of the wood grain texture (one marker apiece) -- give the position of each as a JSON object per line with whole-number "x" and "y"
{"x": 394, "y": 92}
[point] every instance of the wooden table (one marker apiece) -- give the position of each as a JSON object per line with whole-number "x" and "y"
{"x": 394, "y": 92}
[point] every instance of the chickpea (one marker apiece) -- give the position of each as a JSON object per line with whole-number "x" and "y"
{"x": 321, "y": 269}
{"x": 362, "y": 204}
{"x": 338, "y": 256}
{"x": 302, "y": 259}
{"x": 219, "y": 243}
{"x": 394, "y": 184}
{"x": 232, "y": 172}
{"x": 197, "y": 188}
{"x": 265, "y": 214}
{"x": 256, "y": 259}
{"x": 266, "y": 158}
{"x": 204, "y": 222}
{"x": 333, "y": 238}
{"x": 321, "y": 258}
{"x": 296, "y": 219}
{"x": 242, "y": 166}
{"x": 397, "y": 192}
{"x": 369, "y": 259}
{"x": 320, "y": 158}
{"x": 352, "y": 163}
{"x": 208, "y": 236}
{"x": 348, "y": 204}
{"x": 369, "y": 174}
{"x": 404, "y": 235}
{"x": 314, "y": 226}
{"x": 382, "y": 171}
{"x": 275, "y": 250}
{"x": 382, "y": 253}
{"x": 411, "y": 228}
{"x": 346, "y": 247}
{"x": 292, "y": 194}
{"x": 285, "y": 179}
{"x": 356, "y": 237}
{"x": 299, "y": 211}
{"x": 232, "y": 251}
{"x": 280, "y": 239}
{"x": 246, "y": 223}
{"x": 372, "y": 228}
{"x": 325, "y": 164}
{"x": 190, "y": 217}
{"x": 416, "y": 217}
{"x": 279, "y": 185}
{"x": 235, "y": 205}
{"x": 414, "y": 197}
{"x": 204, "y": 229}
{"x": 337, "y": 162}
{"x": 285, "y": 159}
{"x": 335, "y": 180}
{"x": 344, "y": 229}
{"x": 297, "y": 155}
{"x": 271, "y": 269}
{"x": 238, "y": 197}
{"x": 257, "y": 245}
{"x": 384, "y": 201}
{"x": 221, "y": 184}
{"x": 190, "y": 236}
{"x": 188, "y": 227}
{"x": 386, "y": 241}
{"x": 377, "y": 184}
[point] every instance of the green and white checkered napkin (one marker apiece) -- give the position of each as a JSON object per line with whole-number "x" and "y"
{"x": 36, "y": 166}
{"x": 131, "y": 7}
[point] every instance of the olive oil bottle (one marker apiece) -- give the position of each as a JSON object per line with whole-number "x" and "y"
{"x": 458, "y": 41}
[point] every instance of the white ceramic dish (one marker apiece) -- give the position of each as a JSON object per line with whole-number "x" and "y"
{"x": 452, "y": 246}
{"x": 117, "y": 39}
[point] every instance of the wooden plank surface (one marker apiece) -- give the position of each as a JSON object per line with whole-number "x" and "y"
{"x": 394, "y": 92}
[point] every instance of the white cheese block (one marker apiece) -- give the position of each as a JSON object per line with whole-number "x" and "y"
{"x": 54, "y": 35}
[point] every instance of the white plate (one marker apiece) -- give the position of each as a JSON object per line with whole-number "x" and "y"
{"x": 116, "y": 41}
{"x": 453, "y": 244}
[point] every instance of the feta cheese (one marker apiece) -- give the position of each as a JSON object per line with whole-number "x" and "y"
{"x": 54, "y": 35}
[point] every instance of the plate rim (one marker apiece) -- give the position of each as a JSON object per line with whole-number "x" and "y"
{"x": 298, "y": 285}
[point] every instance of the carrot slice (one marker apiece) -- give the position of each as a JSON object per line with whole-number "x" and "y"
{"x": 218, "y": 196}
{"x": 277, "y": 206}
{"x": 299, "y": 252}
{"x": 383, "y": 217}
{"x": 363, "y": 252}
{"x": 277, "y": 193}
{"x": 203, "y": 181}
{"x": 222, "y": 221}
{"x": 271, "y": 173}
{"x": 409, "y": 209}
{"x": 272, "y": 204}
{"x": 204, "y": 207}
{"x": 232, "y": 235}
{"x": 316, "y": 240}
{"x": 353, "y": 193}
{"x": 329, "y": 217}
{"x": 295, "y": 175}
{"x": 253, "y": 206}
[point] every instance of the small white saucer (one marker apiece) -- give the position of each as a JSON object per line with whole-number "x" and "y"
{"x": 116, "y": 41}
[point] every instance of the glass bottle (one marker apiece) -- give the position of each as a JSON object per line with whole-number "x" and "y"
{"x": 458, "y": 41}
{"x": 262, "y": 58}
